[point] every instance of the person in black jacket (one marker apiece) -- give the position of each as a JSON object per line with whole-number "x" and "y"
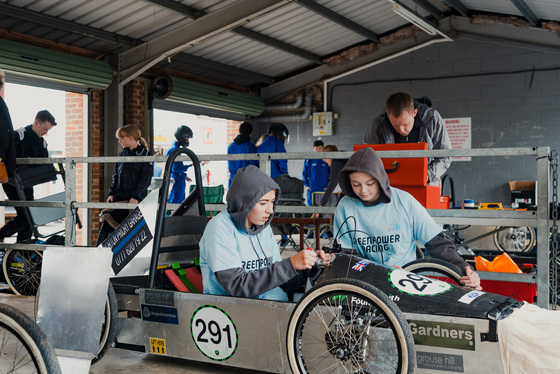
{"x": 7, "y": 144}
{"x": 29, "y": 142}
{"x": 130, "y": 180}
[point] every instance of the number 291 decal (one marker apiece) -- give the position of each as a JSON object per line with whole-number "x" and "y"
{"x": 214, "y": 333}
{"x": 415, "y": 284}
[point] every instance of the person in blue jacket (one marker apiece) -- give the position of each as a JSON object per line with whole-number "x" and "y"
{"x": 241, "y": 144}
{"x": 382, "y": 223}
{"x": 274, "y": 143}
{"x": 238, "y": 253}
{"x": 179, "y": 169}
{"x": 315, "y": 173}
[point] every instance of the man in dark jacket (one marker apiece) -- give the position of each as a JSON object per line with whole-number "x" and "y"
{"x": 408, "y": 120}
{"x": 29, "y": 143}
{"x": 241, "y": 145}
{"x": 7, "y": 143}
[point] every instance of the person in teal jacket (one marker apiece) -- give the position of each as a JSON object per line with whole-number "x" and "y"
{"x": 179, "y": 169}
{"x": 239, "y": 255}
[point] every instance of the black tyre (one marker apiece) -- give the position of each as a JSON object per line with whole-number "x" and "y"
{"x": 24, "y": 347}
{"x": 22, "y": 270}
{"x": 349, "y": 326}
{"x": 109, "y": 327}
{"x": 436, "y": 268}
{"x": 515, "y": 239}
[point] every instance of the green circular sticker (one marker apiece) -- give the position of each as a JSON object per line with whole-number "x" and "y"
{"x": 214, "y": 332}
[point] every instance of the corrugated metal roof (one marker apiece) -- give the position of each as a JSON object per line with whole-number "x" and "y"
{"x": 298, "y": 37}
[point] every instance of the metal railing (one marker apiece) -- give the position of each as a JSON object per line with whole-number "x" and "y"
{"x": 538, "y": 218}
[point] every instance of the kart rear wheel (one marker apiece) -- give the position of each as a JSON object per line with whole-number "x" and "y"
{"x": 24, "y": 348}
{"x": 22, "y": 270}
{"x": 436, "y": 268}
{"x": 349, "y": 326}
{"x": 515, "y": 239}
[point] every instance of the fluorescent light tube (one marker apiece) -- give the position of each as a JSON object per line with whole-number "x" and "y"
{"x": 415, "y": 19}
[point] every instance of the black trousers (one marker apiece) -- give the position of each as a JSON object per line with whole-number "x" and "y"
{"x": 19, "y": 223}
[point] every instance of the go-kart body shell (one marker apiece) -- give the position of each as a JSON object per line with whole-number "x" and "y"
{"x": 449, "y": 323}
{"x": 449, "y": 327}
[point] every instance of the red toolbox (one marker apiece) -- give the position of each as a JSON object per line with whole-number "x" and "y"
{"x": 410, "y": 174}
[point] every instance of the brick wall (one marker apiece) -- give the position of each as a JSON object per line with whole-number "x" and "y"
{"x": 74, "y": 144}
{"x": 97, "y": 138}
{"x": 134, "y": 104}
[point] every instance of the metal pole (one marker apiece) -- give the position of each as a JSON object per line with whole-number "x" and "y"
{"x": 70, "y": 197}
{"x": 542, "y": 226}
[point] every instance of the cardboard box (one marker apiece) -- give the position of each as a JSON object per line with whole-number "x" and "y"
{"x": 523, "y": 193}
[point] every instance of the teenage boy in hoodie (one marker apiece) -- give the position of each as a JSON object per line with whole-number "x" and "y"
{"x": 241, "y": 144}
{"x": 238, "y": 253}
{"x": 387, "y": 221}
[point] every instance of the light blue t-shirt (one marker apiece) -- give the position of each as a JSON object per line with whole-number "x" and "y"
{"x": 385, "y": 233}
{"x": 223, "y": 247}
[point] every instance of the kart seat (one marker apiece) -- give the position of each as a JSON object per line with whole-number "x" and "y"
{"x": 179, "y": 239}
{"x": 186, "y": 280}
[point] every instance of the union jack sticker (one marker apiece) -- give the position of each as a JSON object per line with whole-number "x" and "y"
{"x": 359, "y": 266}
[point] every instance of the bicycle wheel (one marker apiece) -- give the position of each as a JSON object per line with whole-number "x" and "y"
{"x": 515, "y": 239}
{"x": 22, "y": 270}
{"x": 109, "y": 327}
{"x": 436, "y": 268}
{"x": 348, "y": 326}
{"x": 24, "y": 348}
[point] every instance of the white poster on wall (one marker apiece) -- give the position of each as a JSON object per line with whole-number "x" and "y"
{"x": 459, "y": 131}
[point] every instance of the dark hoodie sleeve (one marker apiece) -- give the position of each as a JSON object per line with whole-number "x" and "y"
{"x": 443, "y": 248}
{"x": 238, "y": 282}
{"x": 336, "y": 167}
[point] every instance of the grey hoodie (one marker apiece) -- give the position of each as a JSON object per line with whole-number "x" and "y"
{"x": 368, "y": 161}
{"x": 432, "y": 131}
{"x": 248, "y": 186}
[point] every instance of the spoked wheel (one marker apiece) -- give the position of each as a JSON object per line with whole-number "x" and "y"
{"x": 22, "y": 270}
{"x": 24, "y": 348}
{"x": 349, "y": 326}
{"x": 109, "y": 325}
{"x": 436, "y": 268}
{"x": 515, "y": 239}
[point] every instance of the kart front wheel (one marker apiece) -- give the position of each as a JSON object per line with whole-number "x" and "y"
{"x": 349, "y": 326}
{"x": 437, "y": 269}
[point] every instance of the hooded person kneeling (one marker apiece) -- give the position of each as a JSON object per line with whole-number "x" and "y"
{"x": 387, "y": 221}
{"x": 239, "y": 255}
